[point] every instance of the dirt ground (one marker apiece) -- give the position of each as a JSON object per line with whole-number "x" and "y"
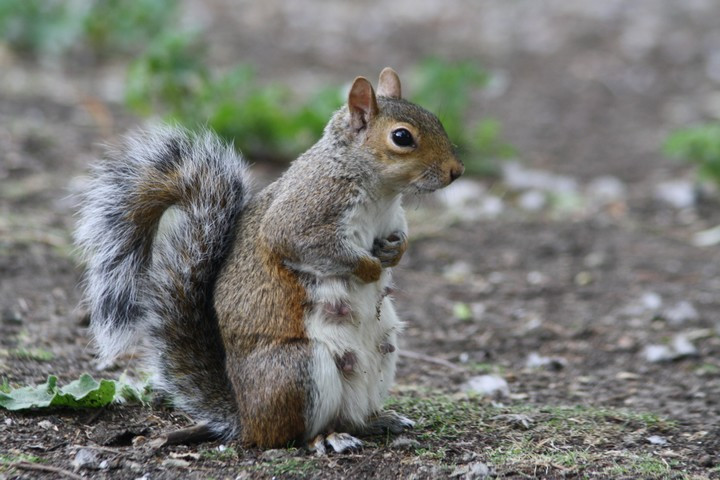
{"x": 567, "y": 298}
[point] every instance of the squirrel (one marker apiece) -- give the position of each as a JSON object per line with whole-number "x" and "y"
{"x": 266, "y": 316}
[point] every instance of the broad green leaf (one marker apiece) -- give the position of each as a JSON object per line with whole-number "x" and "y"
{"x": 84, "y": 392}
{"x": 30, "y": 397}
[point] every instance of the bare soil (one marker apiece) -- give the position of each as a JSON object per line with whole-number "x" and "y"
{"x": 584, "y": 89}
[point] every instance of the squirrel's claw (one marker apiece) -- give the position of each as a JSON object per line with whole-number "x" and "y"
{"x": 390, "y": 250}
{"x": 317, "y": 445}
{"x": 338, "y": 442}
{"x": 343, "y": 442}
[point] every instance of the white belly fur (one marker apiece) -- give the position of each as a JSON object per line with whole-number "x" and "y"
{"x": 350, "y": 398}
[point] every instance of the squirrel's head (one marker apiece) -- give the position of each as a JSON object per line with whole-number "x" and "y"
{"x": 409, "y": 143}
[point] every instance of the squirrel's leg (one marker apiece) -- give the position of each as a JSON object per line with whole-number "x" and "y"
{"x": 272, "y": 388}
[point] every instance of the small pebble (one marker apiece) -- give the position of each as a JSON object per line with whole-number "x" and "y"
{"x": 595, "y": 260}
{"x": 491, "y": 207}
{"x": 681, "y": 313}
{"x": 606, "y": 189}
{"x": 461, "y": 193}
{"x": 84, "y": 458}
{"x": 175, "y": 462}
{"x": 471, "y": 471}
{"x": 658, "y": 353}
{"x": 676, "y": 193}
{"x": 535, "y": 360}
{"x": 532, "y": 200}
{"x": 683, "y": 347}
{"x": 651, "y": 300}
{"x": 536, "y": 278}
{"x": 12, "y": 316}
{"x": 657, "y": 440}
{"x": 404, "y": 443}
{"x": 707, "y": 238}
{"x": 47, "y": 425}
{"x": 458, "y": 272}
{"x": 518, "y": 177}
{"x": 487, "y": 385}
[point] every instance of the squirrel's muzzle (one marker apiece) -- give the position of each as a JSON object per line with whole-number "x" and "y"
{"x": 456, "y": 172}
{"x": 454, "y": 168}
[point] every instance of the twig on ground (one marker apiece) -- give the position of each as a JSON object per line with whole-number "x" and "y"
{"x": 430, "y": 359}
{"x": 194, "y": 434}
{"x": 45, "y": 468}
{"x": 116, "y": 451}
{"x": 356, "y": 468}
{"x": 89, "y": 420}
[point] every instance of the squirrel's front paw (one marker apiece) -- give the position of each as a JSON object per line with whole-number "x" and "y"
{"x": 390, "y": 250}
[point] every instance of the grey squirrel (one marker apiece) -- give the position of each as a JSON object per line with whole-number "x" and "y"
{"x": 265, "y": 316}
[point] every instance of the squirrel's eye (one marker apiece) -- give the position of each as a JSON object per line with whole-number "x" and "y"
{"x": 402, "y": 138}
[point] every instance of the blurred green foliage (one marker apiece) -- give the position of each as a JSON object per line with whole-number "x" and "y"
{"x": 52, "y": 27}
{"x": 171, "y": 77}
{"x": 266, "y": 121}
{"x": 34, "y": 26}
{"x": 698, "y": 145}
{"x": 126, "y": 26}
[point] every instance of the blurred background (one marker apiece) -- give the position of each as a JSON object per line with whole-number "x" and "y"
{"x": 576, "y": 262}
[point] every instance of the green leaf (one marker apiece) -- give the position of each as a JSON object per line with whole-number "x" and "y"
{"x": 84, "y": 392}
{"x": 129, "y": 391}
{"x": 462, "y": 311}
{"x": 699, "y": 145}
{"x": 30, "y": 397}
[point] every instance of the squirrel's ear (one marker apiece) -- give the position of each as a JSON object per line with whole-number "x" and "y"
{"x": 389, "y": 84}
{"x": 361, "y": 103}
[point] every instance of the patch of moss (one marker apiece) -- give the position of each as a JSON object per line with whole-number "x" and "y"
{"x": 543, "y": 440}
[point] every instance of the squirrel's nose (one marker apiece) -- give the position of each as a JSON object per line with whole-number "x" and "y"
{"x": 455, "y": 172}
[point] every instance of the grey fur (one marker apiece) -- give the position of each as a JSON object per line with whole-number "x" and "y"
{"x": 141, "y": 282}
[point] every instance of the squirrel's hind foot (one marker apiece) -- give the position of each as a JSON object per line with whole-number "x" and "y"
{"x": 387, "y": 421}
{"x": 338, "y": 442}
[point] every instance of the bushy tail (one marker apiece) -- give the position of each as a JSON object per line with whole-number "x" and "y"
{"x": 159, "y": 284}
